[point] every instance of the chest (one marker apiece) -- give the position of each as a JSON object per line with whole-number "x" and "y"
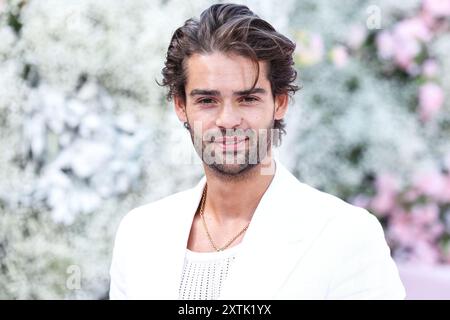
{"x": 222, "y": 236}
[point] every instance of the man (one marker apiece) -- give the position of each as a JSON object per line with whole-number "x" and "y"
{"x": 249, "y": 229}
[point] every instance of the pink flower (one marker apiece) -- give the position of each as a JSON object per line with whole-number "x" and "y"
{"x": 436, "y": 230}
{"x": 361, "y": 200}
{"x": 401, "y": 230}
{"x": 403, "y": 44}
{"x": 405, "y": 53}
{"x": 416, "y": 232}
{"x": 433, "y": 184}
{"x": 431, "y": 99}
{"x": 430, "y": 68}
{"x": 413, "y": 28}
{"x": 426, "y": 253}
{"x": 444, "y": 195}
{"x": 382, "y": 203}
{"x": 411, "y": 195}
{"x": 385, "y": 45}
{"x": 385, "y": 198}
{"x": 425, "y": 214}
{"x": 387, "y": 182}
{"x": 426, "y": 218}
{"x": 407, "y": 37}
{"x": 356, "y": 37}
{"x": 339, "y": 56}
{"x": 429, "y": 183}
{"x": 437, "y": 8}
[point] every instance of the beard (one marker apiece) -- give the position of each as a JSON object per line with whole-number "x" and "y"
{"x": 233, "y": 164}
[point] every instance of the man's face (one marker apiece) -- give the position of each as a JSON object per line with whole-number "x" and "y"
{"x": 230, "y": 126}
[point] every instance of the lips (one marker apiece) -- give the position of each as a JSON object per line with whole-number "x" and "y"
{"x": 230, "y": 140}
{"x": 228, "y": 144}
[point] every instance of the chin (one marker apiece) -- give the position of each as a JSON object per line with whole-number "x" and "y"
{"x": 231, "y": 169}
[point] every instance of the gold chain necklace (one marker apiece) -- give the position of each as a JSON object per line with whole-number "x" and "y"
{"x": 202, "y": 207}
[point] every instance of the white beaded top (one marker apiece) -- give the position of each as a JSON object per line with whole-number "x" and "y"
{"x": 204, "y": 273}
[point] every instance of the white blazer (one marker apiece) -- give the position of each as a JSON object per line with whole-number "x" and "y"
{"x": 301, "y": 244}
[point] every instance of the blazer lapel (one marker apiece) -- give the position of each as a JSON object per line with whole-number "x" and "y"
{"x": 275, "y": 242}
{"x": 167, "y": 276}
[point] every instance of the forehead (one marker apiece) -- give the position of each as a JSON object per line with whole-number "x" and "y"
{"x": 223, "y": 72}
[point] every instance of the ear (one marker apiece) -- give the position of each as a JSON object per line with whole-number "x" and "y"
{"x": 281, "y": 106}
{"x": 180, "y": 108}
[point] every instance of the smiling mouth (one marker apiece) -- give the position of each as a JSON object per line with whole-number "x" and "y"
{"x": 236, "y": 144}
{"x": 230, "y": 140}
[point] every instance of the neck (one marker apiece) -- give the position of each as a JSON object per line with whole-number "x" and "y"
{"x": 231, "y": 200}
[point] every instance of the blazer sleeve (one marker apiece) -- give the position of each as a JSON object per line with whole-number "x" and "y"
{"x": 365, "y": 268}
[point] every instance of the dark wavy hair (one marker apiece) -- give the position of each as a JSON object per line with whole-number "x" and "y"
{"x": 231, "y": 28}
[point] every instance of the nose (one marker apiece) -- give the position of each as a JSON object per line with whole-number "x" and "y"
{"x": 229, "y": 117}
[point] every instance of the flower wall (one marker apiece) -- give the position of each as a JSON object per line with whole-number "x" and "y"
{"x": 371, "y": 124}
{"x": 86, "y": 134}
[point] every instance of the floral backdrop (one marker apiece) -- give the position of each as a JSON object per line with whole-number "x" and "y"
{"x": 86, "y": 134}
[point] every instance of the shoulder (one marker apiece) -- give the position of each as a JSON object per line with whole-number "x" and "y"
{"x": 347, "y": 220}
{"x": 320, "y": 203}
{"x": 337, "y": 219}
{"x": 352, "y": 241}
{"x": 319, "y": 213}
{"x": 346, "y": 227}
{"x": 316, "y": 203}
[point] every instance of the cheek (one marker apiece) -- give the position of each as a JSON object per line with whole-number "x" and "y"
{"x": 259, "y": 118}
{"x": 202, "y": 115}
{"x": 202, "y": 121}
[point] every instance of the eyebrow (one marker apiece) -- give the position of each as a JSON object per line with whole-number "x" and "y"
{"x": 204, "y": 92}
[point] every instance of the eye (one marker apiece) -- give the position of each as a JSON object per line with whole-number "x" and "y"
{"x": 249, "y": 99}
{"x": 206, "y": 101}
